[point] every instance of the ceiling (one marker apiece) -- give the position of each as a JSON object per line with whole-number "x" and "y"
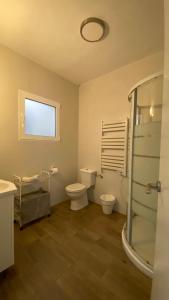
{"x": 47, "y": 32}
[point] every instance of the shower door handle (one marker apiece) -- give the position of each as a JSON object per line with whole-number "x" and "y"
{"x": 153, "y": 186}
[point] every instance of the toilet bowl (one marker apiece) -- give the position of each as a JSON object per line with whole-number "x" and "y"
{"x": 77, "y": 192}
{"x": 78, "y": 195}
{"x": 107, "y": 201}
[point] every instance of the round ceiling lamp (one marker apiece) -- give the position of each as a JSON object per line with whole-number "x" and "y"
{"x": 92, "y": 29}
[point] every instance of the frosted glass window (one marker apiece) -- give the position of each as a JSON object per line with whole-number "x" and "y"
{"x": 40, "y": 119}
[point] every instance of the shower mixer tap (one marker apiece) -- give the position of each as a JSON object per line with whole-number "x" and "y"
{"x": 153, "y": 186}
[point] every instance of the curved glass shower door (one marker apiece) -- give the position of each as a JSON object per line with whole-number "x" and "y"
{"x": 146, "y": 127}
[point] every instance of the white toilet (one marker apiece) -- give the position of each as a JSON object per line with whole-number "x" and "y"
{"x": 107, "y": 201}
{"x": 77, "y": 192}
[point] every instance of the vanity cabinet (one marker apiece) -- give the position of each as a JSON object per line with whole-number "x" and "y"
{"x": 6, "y": 225}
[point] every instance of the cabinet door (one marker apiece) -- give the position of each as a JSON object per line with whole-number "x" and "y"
{"x": 6, "y": 232}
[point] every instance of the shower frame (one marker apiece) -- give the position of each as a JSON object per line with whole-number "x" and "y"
{"x": 139, "y": 262}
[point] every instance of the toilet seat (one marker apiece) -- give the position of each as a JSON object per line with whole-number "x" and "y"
{"x": 75, "y": 187}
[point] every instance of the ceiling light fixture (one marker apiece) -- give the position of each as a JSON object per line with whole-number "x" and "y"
{"x": 92, "y": 29}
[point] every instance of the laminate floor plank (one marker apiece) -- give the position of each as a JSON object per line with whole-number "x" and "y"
{"x": 73, "y": 256}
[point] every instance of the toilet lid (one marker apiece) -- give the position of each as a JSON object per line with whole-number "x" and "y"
{"x": 75, "y": 187}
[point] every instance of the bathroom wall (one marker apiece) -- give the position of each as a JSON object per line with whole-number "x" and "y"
{"x": 29, "y": 157}
{"x": 105, "y": 98}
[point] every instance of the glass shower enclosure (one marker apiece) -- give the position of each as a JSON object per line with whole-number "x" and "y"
{"x": 138, "y": 234}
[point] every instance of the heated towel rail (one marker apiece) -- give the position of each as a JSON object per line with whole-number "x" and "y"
{"x": 114, "y": 146}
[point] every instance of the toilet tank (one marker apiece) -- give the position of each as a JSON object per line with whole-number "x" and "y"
{"x": 88, "y": 177}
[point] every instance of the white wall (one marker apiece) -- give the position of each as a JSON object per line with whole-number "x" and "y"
{"x": 29, "y": 157}
{"x": 105, "y": 98}
{"x": 160, "y": 289}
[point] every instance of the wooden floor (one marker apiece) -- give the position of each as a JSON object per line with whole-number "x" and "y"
{"x": 73, "y": 255}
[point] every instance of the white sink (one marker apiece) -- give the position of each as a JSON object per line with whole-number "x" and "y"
{"x": 6, "y": 187}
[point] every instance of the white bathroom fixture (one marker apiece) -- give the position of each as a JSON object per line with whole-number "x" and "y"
{"x": 78, "y": 191}
{"x": 92, "y": 29}
{"x": 7, "y": 190}
{"x": 114, "y": 146}
{"x": 107, "y": 202}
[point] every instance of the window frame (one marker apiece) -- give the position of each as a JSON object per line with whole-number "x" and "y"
{"x": 22, "y": 95}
